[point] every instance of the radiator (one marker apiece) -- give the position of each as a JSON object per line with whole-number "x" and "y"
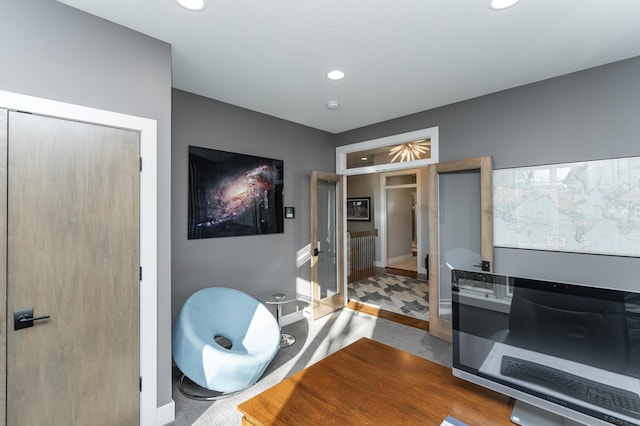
{"x": 362, "y": 255}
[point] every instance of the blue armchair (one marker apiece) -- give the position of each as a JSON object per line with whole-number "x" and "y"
{"x": 218, "y": 312}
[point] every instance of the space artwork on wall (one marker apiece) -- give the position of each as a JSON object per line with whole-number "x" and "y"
{"x": 233, "y": 194}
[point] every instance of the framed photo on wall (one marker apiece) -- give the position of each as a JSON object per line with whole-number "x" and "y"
{"x": 233, "y": 194}
{"x": 359, "y": 209}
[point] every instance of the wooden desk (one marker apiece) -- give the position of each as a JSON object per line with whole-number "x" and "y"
{"x": 369, "y": 383}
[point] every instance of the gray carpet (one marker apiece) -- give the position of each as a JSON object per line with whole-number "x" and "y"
{"x": 315, "y": 340}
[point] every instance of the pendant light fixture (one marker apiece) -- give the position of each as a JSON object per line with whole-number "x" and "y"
{"x": 409, "y": 151}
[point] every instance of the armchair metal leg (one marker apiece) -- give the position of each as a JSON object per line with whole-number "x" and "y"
{"x": 214, "y": 395}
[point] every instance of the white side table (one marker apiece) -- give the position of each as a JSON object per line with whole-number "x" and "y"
{"x": 279, "y": 298}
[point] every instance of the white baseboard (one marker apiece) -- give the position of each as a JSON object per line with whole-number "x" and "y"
{"x": 166, "y": 414}
{"x": 292, "y": 317}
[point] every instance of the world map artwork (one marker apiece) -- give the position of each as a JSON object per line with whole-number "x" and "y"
{"x": 582, "y": 207}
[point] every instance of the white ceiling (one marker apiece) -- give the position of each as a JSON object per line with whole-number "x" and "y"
{"x": 399, "y": 56}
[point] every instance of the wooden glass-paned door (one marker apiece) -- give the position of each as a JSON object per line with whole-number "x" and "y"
{"x": 326, "y": 243}
{"x": 460, "y": 230}
{"x": 73, "y": 254}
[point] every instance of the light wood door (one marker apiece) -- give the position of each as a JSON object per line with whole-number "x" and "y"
{"x": 326, "y": 243}
{"x": 73, "y": 253}
{"x": 481, "y": 208}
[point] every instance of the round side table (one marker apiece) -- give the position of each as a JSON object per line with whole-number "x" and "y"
{"x": 278, "y": 298}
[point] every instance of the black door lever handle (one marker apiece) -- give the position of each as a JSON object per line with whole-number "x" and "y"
{"x": 26, "y": 318}
{"x": 23, "y": 318}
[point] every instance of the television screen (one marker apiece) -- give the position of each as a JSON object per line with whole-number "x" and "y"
{"x": 565, "y": 349}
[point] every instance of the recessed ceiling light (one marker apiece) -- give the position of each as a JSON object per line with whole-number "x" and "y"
{"x": 335, "y": 75}
{"x": 364, "y": 158}
{"x": 502, "y": 4}
{"x": 194, "y": 5}
{"x": 333, "y": 105}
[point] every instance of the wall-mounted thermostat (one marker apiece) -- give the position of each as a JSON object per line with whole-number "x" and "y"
{"x": 289, "y": 212}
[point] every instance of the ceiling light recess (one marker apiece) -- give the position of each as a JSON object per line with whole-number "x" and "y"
{"x": 502, "y": 4}
{"x": 194, "y": 5}
{"x": 333, "y": 105}
{"x": 335, "y": 75}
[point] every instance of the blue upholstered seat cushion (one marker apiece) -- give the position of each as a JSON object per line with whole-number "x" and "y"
{"x": 237, "y": 316}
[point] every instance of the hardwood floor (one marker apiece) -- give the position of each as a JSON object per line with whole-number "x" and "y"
{"x": 392, "y": 387}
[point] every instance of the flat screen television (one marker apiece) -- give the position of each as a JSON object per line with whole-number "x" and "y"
{"x": 567, "y": 353}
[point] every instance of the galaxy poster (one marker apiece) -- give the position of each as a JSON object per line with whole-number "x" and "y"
{"x": 233, "y": 194}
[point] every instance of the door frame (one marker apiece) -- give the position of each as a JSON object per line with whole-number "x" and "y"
{"x": 418, "y": 212}
{"x": 440, "y": 327}
{"x": 148, "y": 228}
{"x": 432, "y": 133}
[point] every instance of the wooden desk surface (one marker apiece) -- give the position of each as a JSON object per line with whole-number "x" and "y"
{"x": 369, "y": 383}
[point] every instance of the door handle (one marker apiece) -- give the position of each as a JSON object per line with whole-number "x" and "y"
{"x": 316, "y": 252}
{"x": 485, "y": 265}
{"x": 23, "y": 318}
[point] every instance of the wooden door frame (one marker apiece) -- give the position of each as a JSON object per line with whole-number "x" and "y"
{"x": 337, "y": 301}
{"x": 439, "y": 327}
{"x": 148, "y": 232}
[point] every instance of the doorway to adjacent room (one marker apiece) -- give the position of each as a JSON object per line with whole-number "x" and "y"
{"x": 386, "y": 276}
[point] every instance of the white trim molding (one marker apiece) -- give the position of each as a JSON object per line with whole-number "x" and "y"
{"x": 431, "y": 133}
{"x": 166, "y": 413}
{"x": 149, "y": 412}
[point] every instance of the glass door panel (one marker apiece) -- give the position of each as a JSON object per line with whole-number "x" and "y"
{"x": 460, "y": 230}
{"x": 459, "y": 225}
{"x": 326, "y": 243}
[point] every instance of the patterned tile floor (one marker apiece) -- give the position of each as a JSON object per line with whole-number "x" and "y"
{"x": 395, "y": 293}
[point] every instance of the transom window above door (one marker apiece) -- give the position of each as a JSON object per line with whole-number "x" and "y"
{"x": 412, "y": 149}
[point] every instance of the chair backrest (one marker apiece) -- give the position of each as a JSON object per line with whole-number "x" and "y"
{"x": 228, "y": 312}
{"x": 243, "y": 321}
{"x": 585, "y": 329}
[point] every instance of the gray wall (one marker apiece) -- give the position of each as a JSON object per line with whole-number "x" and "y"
{"x": 254, "y": 264}
{"x": 56, "y": 52}
{"x": 366, "y": 186}
{"x": 588, "y": 115}
{"x": 459, "y": 212}
{"x": 362, "y": 186}
{"x": 399, "y": 222}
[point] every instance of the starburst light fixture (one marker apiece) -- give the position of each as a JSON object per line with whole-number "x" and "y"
{"x": 409, "y": 151}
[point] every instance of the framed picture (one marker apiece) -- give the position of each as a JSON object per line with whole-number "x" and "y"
{"x": 233, "y": 194}
{"x": 359, "y": 209}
